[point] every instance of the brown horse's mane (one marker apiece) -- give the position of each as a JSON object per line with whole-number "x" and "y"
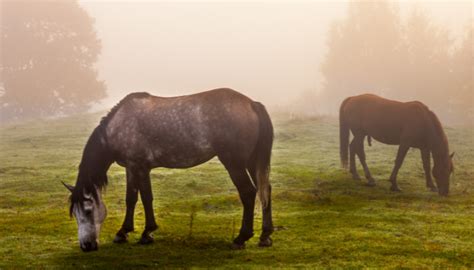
{"x": 441, "y": 144}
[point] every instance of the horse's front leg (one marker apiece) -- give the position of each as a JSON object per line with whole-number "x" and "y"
{"x": 146, "y": 194}
{"x": 131, "y": 201}
{"x": 425, "y": 157}
{"x": 402, "y": 152}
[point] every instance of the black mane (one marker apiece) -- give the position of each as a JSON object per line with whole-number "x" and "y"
{"x": 96, "y": 158}
{"x": 92, "y": 176}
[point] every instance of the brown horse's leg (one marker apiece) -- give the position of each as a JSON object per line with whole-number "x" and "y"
{"x": 352, "y": 165}
{"x": 402, "y": 152}
{"x": 267, "y": 223}
{"x": 247, "y": 193}
{"x": 131, "y": 201}
{"x": 425, "y": 157}
{"x": 361, "y": 154}
{"x": 146, "y": 195}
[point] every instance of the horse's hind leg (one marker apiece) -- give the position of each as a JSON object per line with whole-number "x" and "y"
{"x": 352, "y": 165}
{"x": 247, "y": 193}
{"x": 361, "y": 154}
{"x": 267, "y": 223}
{"x": 131, "y": 201}
{"x": 425, "y": 157}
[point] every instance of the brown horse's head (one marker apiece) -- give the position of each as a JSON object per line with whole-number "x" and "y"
{"x": 441, "y": 172}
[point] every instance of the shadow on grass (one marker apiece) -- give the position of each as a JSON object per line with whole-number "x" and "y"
{"x": 339, "y": 192}
{"x": 342, "y": 183}
{"x": 165, "y": 251}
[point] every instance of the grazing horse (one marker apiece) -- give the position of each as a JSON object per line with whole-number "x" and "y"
{"x": 407, "y": 124}
{"x": 143, "y": 132}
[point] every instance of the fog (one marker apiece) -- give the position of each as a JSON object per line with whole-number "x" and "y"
{"x": 69, "y": 57}
{"x": 271, "y": 51}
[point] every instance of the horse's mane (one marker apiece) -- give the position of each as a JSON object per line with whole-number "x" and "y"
{"x": 96, "y": 158}
{"x": 439, "y": 131}
{"x": 92, "y": 176}
{"x": 105, "y": 120}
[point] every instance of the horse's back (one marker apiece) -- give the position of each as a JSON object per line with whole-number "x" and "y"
{"x": 184, "y": 131}
{"x": 369, "y": 106}
{"x": 384, "y": 119}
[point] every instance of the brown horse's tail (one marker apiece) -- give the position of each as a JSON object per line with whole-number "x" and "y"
{"x": 263, "y": 152}
{"x": 343, "y": 136}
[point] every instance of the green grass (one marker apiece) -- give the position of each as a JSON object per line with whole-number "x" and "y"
{"x": 324, "y": 219}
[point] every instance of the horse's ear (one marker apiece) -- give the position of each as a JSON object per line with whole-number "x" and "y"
{"x": 452, "y": 155}
{"x": 69, "y": 187}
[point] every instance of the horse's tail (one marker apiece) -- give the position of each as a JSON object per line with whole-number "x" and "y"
{"x": 343, "y": 136}
{"x": 263, "y": 152}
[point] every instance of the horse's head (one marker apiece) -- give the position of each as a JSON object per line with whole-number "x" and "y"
{"x": 442, "y": 172}
{"x": 90, "y": 213}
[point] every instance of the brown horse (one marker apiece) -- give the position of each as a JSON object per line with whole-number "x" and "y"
{"x": 143, "y": 132}
{"x": 407, "y": 124}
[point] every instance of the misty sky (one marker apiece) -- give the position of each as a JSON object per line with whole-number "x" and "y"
{"x": 268, "y": 50}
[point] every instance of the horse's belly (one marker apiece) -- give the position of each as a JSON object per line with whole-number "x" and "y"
{"x": 184, "y": 161}
{"x": 184, "y": 156}
{"x": 387, "y": 140}
{"x": 390, "y": 137}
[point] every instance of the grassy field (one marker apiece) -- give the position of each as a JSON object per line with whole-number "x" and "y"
{"x": 323, "y": 218}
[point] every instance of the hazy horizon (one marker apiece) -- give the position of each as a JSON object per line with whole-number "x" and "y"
{"x": 271, "y": 51}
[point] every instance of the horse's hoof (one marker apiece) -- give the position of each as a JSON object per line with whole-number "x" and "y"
{"x": 433, "y": 189}
{"x": 236, "y": 246}
{"x": 395, "y": 189}
{"x": 120, "y": 239}
{"x": 146, "y": 240}
{"x": 151, "y": 228}
{"x": 371, "y": 183}
{"x": 265, "y": 243}
{"x": 356, "y": 177}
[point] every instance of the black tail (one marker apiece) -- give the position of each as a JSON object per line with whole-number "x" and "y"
{"x": 343, "y": 136}
{"x": 263, "y": 152}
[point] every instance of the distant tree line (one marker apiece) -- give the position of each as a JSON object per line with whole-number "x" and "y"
{"x": 48, "y": 52}
{"x": 373, "y": 50}
{"x": 49, "y": 49}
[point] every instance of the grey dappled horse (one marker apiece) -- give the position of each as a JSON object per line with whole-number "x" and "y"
{"x": 143, "y": 132}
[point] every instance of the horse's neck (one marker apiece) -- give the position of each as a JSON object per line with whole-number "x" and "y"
{"x": 96, "y": 159}
{"x": 439, "y": 145}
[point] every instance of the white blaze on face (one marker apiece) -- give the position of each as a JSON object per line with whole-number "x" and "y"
{"x": 89, "y": 218}
{"x": 85, "y": 221}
